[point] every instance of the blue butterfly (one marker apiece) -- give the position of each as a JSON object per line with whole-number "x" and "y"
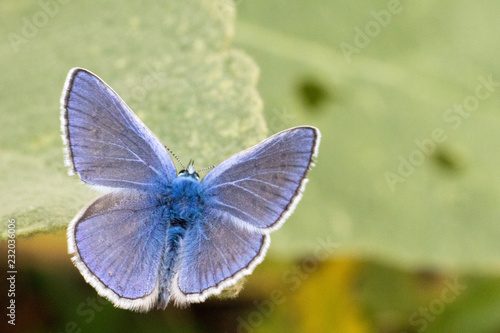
{"x": 162, "y": 236}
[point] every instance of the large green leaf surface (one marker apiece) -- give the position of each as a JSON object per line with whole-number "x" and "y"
{"x": 398, "y": 90}
{"x": 172, "y": 62}
{"x": 399, "y": 87}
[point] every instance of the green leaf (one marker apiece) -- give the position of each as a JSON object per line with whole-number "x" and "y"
{"x": 372, "y": 106}
{"x": 172, "y": 62}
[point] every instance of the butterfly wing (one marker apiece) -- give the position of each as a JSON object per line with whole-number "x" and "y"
{"x": 249, "y": 195}
{"x": 215, "y": 254}
{"x": 106, "y": 143}
{"x": 261, "y": 186}
{"x": 117, "y": 243}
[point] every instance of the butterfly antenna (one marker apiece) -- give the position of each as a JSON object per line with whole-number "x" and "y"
{"x": 206, "y": 168}
{"x": 177, "y": 158}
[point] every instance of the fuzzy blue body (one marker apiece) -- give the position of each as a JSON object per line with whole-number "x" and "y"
{"x": 184, "y": 201}
{"x": 183, "y": 205}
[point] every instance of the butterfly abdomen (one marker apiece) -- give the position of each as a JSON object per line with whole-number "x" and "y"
{"x": 184, "y": 205}
{"x": 169, "y": 263}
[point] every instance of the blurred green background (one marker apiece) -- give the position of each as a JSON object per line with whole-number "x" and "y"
{"x": 399, "y": 227}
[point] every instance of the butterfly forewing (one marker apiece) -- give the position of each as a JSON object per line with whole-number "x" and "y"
{"x": 106, "y": 143}
{"x": 261, "y": 185}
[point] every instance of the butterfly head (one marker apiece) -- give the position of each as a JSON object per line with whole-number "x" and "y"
{"x": 189, "y": 171}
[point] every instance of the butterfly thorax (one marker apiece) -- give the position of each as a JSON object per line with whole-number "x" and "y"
{"x": 184, "y": 201}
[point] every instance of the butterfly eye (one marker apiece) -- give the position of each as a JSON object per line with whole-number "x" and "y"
{"x": 186, "y": 173}
{"x": 189, "y": 172}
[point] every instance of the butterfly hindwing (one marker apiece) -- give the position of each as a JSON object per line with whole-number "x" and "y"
{"x": 117, "y": 244}
{"x": 106, "y": 143}
{"x": 216, "y": 253}
{"x": 261, "y": 185}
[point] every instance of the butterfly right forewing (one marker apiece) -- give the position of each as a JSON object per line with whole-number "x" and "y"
{"x": 260, "y": 186}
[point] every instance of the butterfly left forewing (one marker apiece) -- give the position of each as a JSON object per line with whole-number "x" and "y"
{"x": 106, "y": 143}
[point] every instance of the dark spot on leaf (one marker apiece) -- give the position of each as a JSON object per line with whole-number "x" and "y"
{"x": 312, "y": 93}
{"x": 447, "y": 159}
